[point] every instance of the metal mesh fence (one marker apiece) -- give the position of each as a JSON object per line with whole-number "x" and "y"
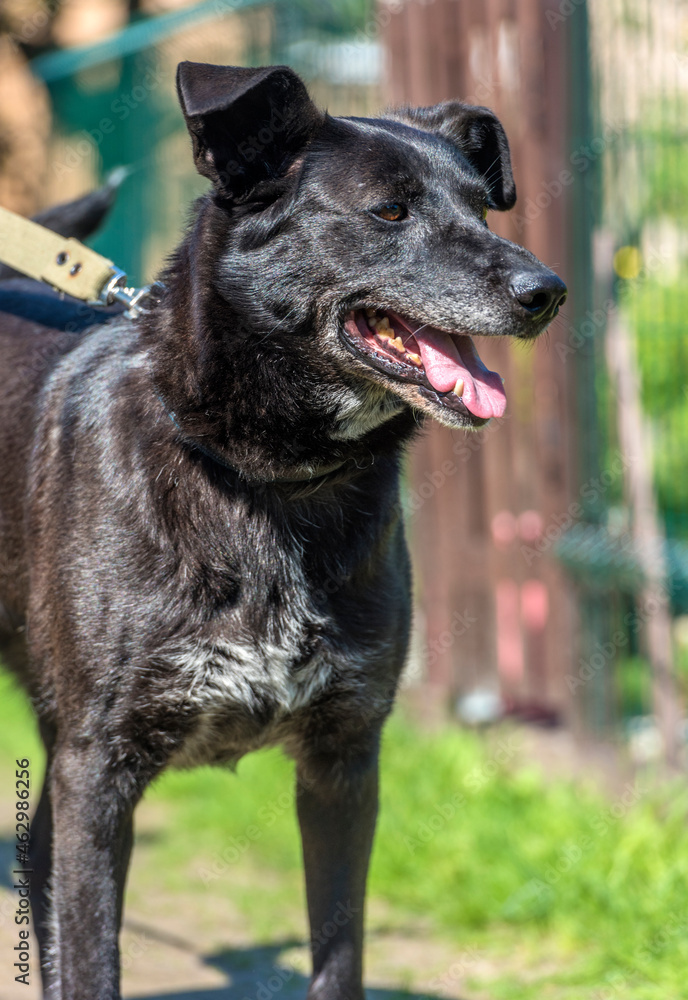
{"x": 114, "y": 104}
{"x": 631, "y": 544}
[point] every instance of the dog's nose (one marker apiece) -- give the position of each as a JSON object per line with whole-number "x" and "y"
{"x": 540, "y": 294}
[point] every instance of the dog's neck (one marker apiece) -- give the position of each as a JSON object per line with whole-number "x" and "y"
{"x": 257, "y": 401}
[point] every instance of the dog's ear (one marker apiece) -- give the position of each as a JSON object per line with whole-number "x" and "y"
{"x": 478, "y": 134}
{"x": 247, "y": 125}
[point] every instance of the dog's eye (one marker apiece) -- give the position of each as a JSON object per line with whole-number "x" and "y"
{"x": 392, "y": 213}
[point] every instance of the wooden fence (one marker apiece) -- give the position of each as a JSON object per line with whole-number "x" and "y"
{"x": 495, "y": 612}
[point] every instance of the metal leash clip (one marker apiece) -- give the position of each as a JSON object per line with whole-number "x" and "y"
{"x": 116, "y": 290}
{"x": 67, "y": 265}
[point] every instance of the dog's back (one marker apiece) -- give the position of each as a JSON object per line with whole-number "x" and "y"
{"x": 37, "y": 328}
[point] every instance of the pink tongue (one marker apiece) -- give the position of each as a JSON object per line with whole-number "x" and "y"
{"x": 447, "y": 359}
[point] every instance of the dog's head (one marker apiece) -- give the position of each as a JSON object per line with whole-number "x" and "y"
{"x": 368, "y": 235}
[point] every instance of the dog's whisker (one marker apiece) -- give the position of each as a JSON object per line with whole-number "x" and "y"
{"x": 495, "y": 165}
{"x": 278, "y": 324}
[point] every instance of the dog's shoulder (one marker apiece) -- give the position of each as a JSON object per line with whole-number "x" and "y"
{"x": 38, "y": 327}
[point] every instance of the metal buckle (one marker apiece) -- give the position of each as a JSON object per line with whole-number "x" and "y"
{"x": 116, "y": 290}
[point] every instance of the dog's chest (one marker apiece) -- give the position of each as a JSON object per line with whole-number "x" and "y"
{"x": 284, "y": 634}
{"x": 249, "y": 672}
{"x": 254, "y": 672}
{"x": 243, "y": 690}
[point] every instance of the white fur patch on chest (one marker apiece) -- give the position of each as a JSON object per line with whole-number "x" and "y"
{"x": 250, "y": 673}
{"x": 280, "y": 665}
{"x": 225, "y": 677}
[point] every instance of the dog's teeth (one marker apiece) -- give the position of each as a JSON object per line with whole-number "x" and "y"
{"x": 458, "y": 388}
{"x": 398, "y": 343}
{"x": 415, "y": 358}
{"x": 370, "y": 313}
{"x": 383, "y": 324}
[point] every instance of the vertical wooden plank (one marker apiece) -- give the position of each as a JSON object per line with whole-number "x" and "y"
{"x": 445, "y": 43}
{"x": 501, "y": 53}
{"x": 394, "y": 39}
{"x": 454, "y": 47}
{"x": 417, "y": 53}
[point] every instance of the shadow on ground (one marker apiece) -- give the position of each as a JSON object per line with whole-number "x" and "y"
{"x": 257, "y": 974}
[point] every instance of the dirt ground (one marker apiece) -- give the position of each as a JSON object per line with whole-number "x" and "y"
{"x": 193, "y": 946}
{"x": 187, "y": 947}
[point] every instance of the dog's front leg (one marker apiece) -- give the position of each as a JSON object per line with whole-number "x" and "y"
{"x": 92, "y": 823}
{"x": 337, "y": 809}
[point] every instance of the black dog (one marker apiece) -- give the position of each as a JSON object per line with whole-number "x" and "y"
{"x": 202, "y": 540}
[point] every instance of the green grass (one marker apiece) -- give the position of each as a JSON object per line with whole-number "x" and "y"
{"x": 490, "y": 854}
{"x": 656, "y": 310}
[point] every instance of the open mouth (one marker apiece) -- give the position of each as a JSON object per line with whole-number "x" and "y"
{"x": 445, "y": 367}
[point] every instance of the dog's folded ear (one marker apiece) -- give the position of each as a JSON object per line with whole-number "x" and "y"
{"x": 479, "y": 135}
{"x": 247, "y": 125}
